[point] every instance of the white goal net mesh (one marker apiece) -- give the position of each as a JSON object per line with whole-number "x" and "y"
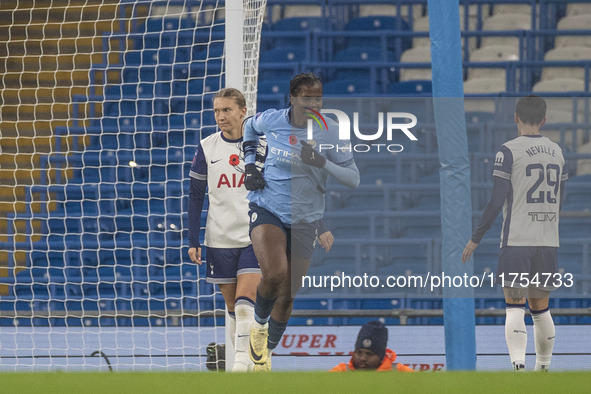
{"x": 102, "y": 104}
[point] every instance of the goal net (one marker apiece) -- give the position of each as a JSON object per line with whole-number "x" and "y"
{"x": 102, "y": 105}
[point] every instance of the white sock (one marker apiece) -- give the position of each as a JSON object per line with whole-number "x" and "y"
{"x": 231, "y": 326}
{"x": 516, "y": 334}
{"x": 544, "y": 333}
{"x": 244, "y": 317}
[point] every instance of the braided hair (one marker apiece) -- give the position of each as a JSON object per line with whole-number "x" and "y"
{"x": 303, "y": 79}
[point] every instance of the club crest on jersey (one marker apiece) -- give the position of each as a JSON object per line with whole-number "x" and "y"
{"x": 499, "y": 159}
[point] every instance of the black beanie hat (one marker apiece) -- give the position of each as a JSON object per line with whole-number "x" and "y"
{"x": 373, "y": 336}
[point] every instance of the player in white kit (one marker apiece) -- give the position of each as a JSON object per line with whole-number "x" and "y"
{"x": 529, "y": 175}
{"x": 231, "y": 262}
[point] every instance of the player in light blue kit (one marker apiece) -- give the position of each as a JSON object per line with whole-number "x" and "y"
{"x": 287, "y": 203}
{"x": 529, "y": 175}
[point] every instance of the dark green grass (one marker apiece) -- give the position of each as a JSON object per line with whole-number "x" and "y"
{"x": 297, "y": 382}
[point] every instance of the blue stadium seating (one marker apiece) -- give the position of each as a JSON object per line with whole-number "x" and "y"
{"x": 285, "y": 54}
{"x": 273, "y": 87}
{"x": 97, "y": 240}
{"x": 298, "y": 28}
{"x": 272, "y": 93}
{"x": 168, "y": 24}
{"x": 577, "y": 193}
{"x": 411, "y": 87}
{"x": 361, "y": 63}
{"x": 347, "y": 87}
{"x": 378, "y": 24}
{"x": 288, "y": 56}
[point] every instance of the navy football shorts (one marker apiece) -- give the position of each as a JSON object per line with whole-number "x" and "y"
{"x": 301, "y": 237}
{"x": 520, "y": 265}
{"x": 225, "y": 264}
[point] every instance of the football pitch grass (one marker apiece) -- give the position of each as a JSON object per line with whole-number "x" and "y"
{"x": 296, "y": 382}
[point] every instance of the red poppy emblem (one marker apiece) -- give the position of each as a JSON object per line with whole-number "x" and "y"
{"x": 293, "y": 140}
{"x": 234, "y": 160}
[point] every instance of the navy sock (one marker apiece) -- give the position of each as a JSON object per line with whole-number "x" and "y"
{"x": 262, "y": 308}
{"x": 276, "y": 330}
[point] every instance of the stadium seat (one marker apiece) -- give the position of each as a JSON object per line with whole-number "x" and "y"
{"x": 503, "y": 22}
{"x": 361, "y": 56}
{"x": 484, "y": 85}
{"x": 411, "y": 87}
{"x": 562, "y": 110}
{"x": 562, "y": 85}
{"x": 189, "y": 87}
{"x": 384, "y": 9}
{"x": 574, "y": 22}
{"x": 476, "y": 12}
{"x": 307, "y": 10}
{"x": 570, "y": 259}
{"x": 143, "y": 57}
{"x": 299, "y": 24}
{"x": 378, "y": 24}
{"x": 421, "y": 25}
{"x": 516, "y": 9}
{"x": 479, "y": 117}
{"x": 425, "y": 227}
{"x": 416, "y": 55}
{"x": 566, "y": 53}
{"x": 576, "y": 227}
{"x": 116, "y": 92}
{"x": 584, "y": 165}
{"x": 488, "y": 54}
{"x": 476, "y": 127}
{"x": 208, "y": 50}
{"x": 171, "y": 23}
{"x": 577, "y": 197}
{"x": 268, "y": 101}
{"x": 283, "y": 55}
{"x": 273, "y": 87}
{"x": 348, "y": 87}
{"x": 186, "y": 112}
{"x": 578, "y": 9}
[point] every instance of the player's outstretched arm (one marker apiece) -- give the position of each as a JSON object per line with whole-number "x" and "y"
{"x": 347, "y": 175}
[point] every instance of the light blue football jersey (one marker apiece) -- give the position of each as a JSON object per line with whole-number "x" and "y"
{"x": 294, "y": 191}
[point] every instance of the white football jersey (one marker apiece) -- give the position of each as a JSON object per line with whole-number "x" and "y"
{"x": 535, "y": 166}
{"x": 217, "y": 160}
